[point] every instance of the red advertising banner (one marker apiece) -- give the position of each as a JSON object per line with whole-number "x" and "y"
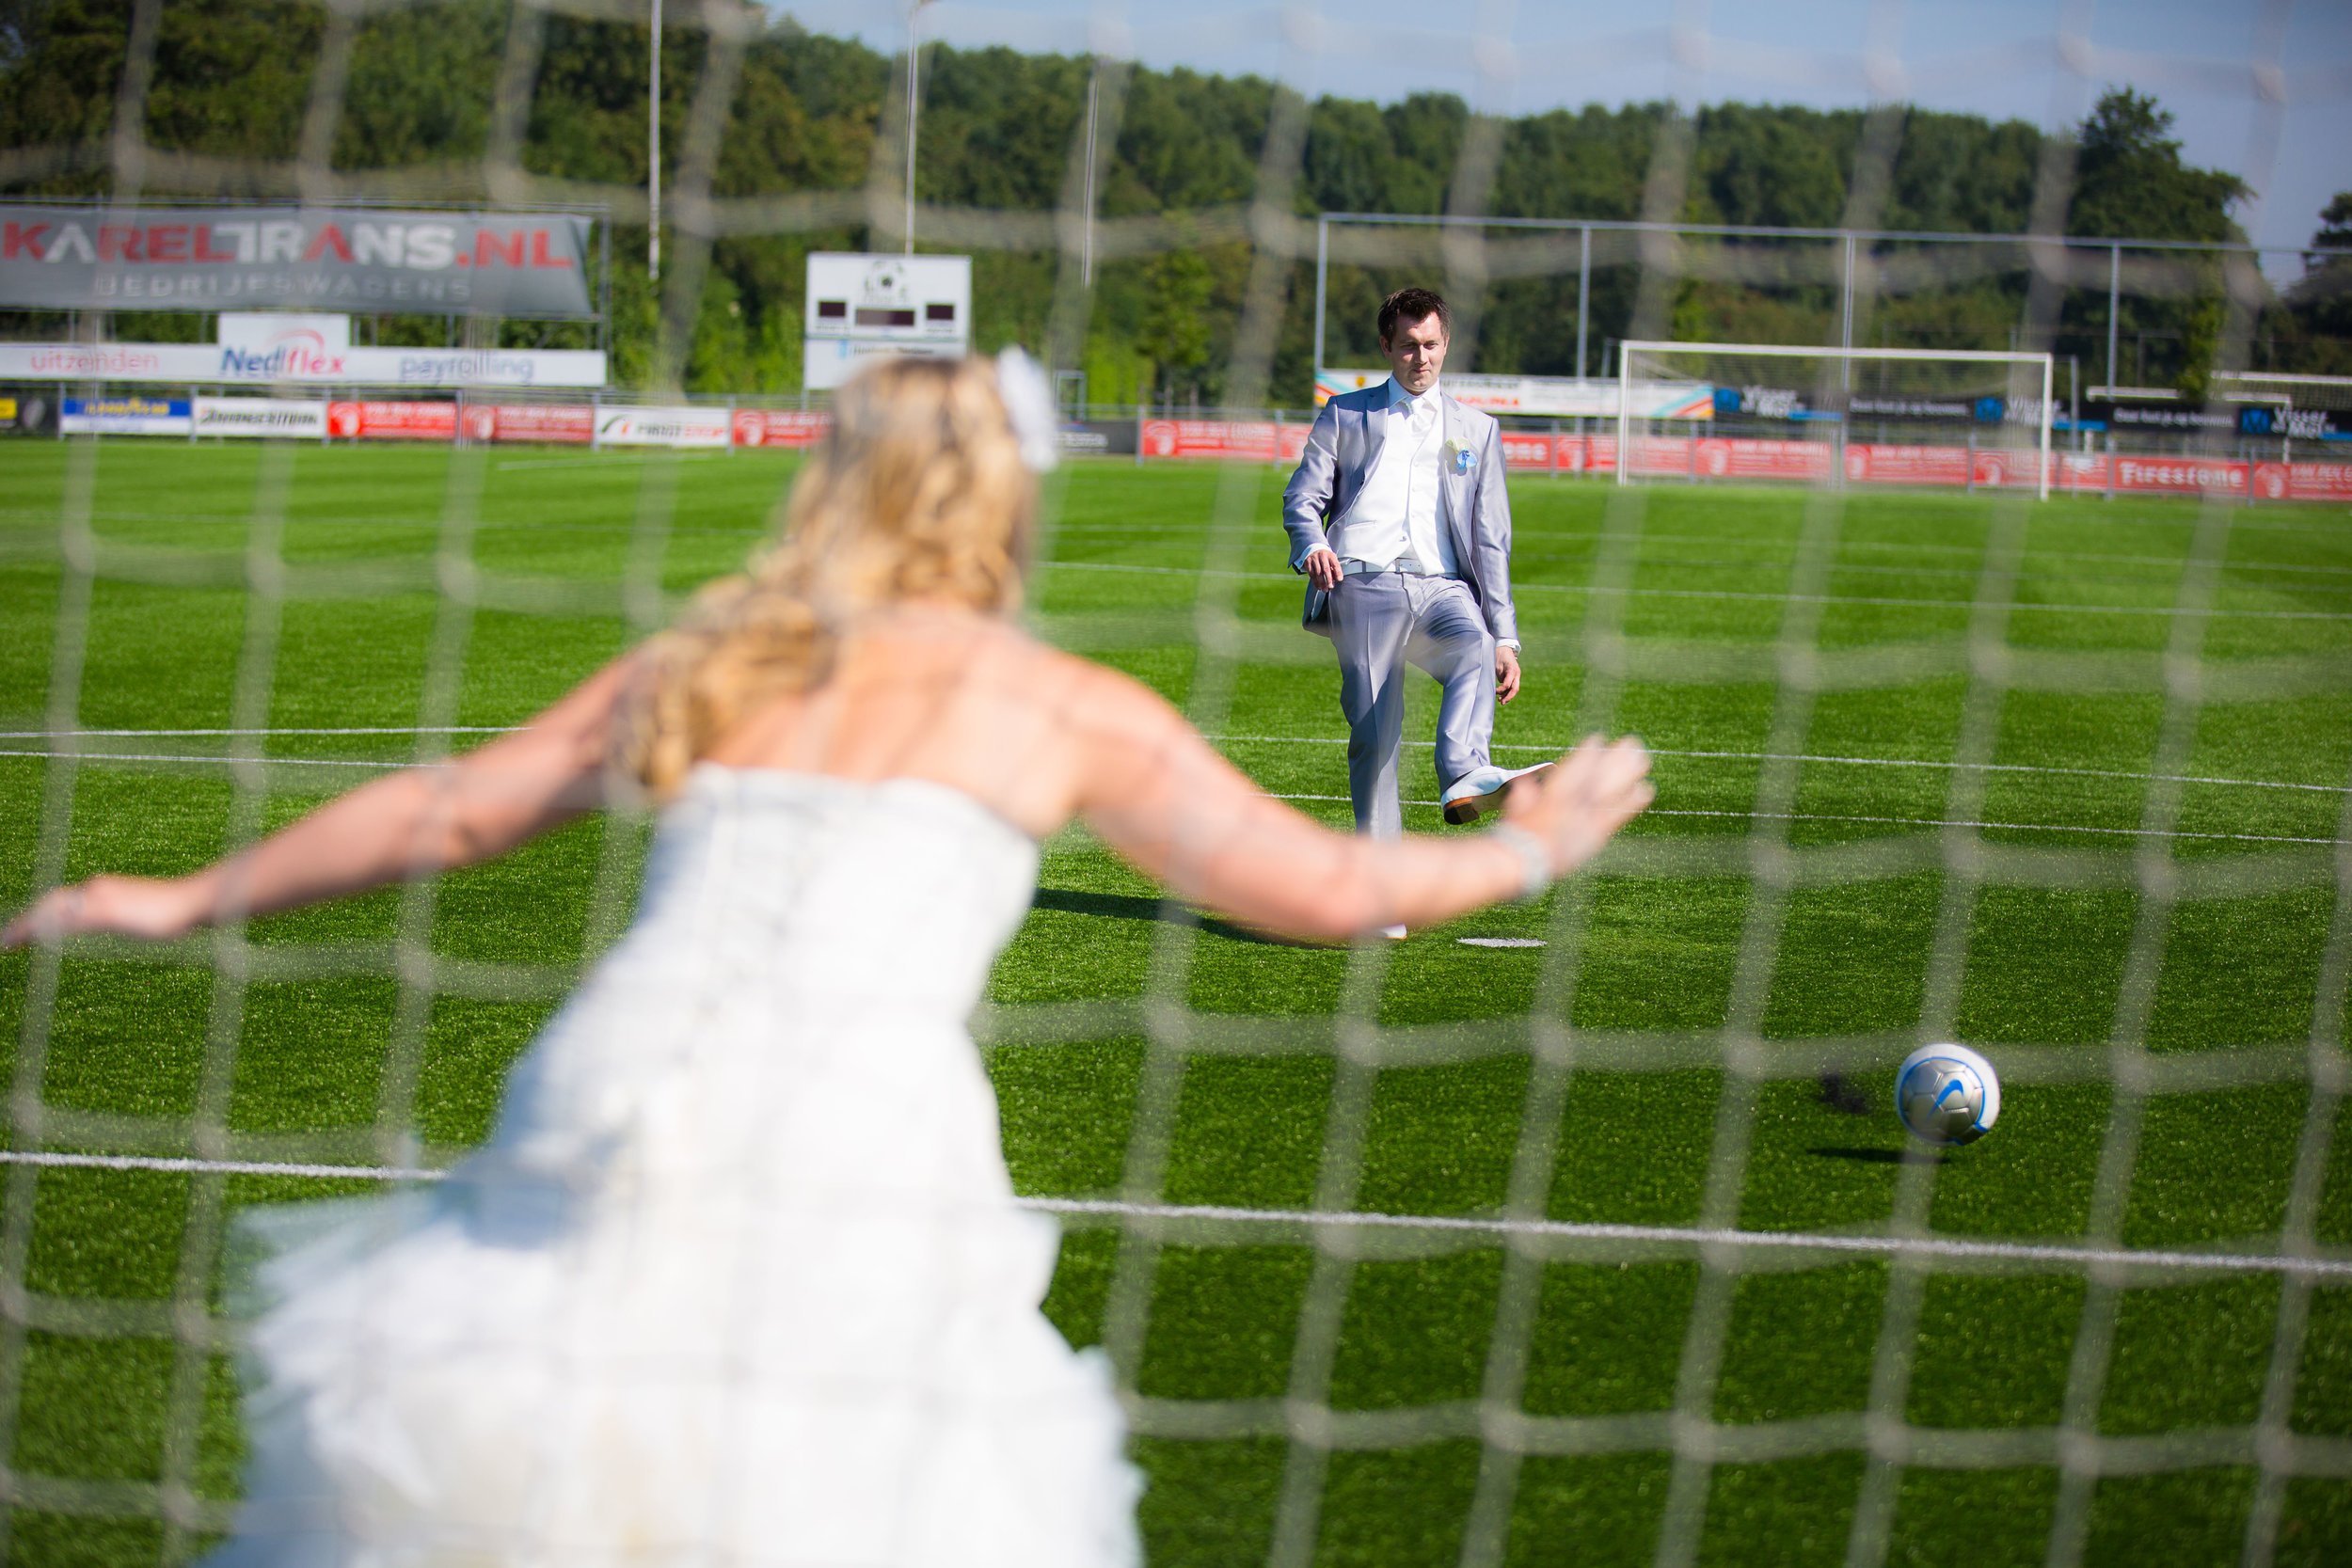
{"x": 2191, "y": 474}
{"x": 564, "y": 424}
{"x": 1233, "y": 441}
{"x": 392, "y": 422}
{"x": 1892, "y": 465}
{"x": 2303, "y": 482}
{"x": 770, "y": 427}
{"x": 1739, "y": 458}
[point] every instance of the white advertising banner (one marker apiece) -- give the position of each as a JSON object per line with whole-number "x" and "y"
{"x": 664, "y": 427}
{"x": 1544, "y": 396}
{"x": 295, "y": 357}
{"x": 258, "y": 330}
{"x": 124, "y": 416}
{"x": 294, "y": 418}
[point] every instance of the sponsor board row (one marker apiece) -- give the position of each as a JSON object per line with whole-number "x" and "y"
{"x": 1261, "y": 441}
{"x": 300, "y": 354}
{"x": 1737, "y": 458}
{"x": 393, "y": 419}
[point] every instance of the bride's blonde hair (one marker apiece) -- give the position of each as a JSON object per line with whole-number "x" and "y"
{"x": 918, "y": 491}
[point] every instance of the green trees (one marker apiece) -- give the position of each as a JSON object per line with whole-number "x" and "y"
{"x": 233, "y": 81}
{"x": 2313, "y": 321}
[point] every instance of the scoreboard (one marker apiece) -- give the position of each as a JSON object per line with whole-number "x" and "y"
{"x": 863, "y": 306}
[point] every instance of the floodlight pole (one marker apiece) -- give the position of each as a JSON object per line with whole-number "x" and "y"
{"x": 1094, "y": 100}
{"x": 914, "y": 106}
{"x": 2115, "y": 280}
{"x": 653, "y": 155}
{"x": 1323, "y": 265}
{"x": 1583, "y": 291}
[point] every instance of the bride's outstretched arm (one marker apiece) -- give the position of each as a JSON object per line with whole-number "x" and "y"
{"x": 406, "y": 824}
{"x": 1165, "y": 800}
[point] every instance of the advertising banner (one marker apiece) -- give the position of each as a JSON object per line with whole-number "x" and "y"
{"x": 297, "y": 357}
{"x": 1544, "y": 396}
{"x": 125, "y": 416}
{"x": 1098, "y": 437}
{"x": 392, "y": 422}
{"x": 2295, "y": 424}
{"x": 559, "y": 424}
{"x": 96, "y": 258}
{"x": 780, "y": 427}
{"x": 2303, "y": 482}
{"x": 295, "y": 418}
{"x": 1236, "y": 440}
{"x": 664, "y": 427}
{"x": 1901, "y": 464}
{"x": 27, "y": 413}
{"x": 255, "y": 331}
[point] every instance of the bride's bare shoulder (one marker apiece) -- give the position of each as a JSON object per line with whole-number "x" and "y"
{"x": 1093, "y": 697}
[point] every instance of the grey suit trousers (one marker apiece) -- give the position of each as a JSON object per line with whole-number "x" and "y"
{"x": 1380, "y": 623}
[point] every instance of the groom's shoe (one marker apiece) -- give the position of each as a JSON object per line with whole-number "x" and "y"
{"x": 1481, "y": 790}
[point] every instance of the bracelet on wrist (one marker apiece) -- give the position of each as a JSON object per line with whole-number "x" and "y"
{"x": 1534, "y": 860}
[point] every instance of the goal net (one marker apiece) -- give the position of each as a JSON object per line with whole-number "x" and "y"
{"x": 1706, "y": 412}
{"x": 1579, "y": 1230}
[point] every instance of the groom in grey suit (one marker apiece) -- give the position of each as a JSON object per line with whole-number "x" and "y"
{"x": 1398, "y": 518}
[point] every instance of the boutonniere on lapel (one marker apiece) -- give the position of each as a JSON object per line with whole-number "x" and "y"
{"x": 1459, "y": 459}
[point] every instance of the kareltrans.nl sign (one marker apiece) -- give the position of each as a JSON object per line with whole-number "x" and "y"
{"x": 96, "y": 257}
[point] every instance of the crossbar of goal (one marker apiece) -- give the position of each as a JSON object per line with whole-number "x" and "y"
{"x": 1630, "y": 349}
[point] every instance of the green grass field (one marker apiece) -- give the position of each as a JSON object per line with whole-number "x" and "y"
{"x": 1784, "y": 653}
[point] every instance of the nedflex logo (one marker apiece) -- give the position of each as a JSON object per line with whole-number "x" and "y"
{"x": 297, "y": 355}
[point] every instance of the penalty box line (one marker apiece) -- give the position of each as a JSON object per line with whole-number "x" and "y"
{"x": 1534, "y": 748}
{"x": 1952, "y": 1248}
{"x": 385, "y": 766}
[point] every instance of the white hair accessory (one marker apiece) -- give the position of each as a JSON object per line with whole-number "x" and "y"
{"x": 1030, "y": 403}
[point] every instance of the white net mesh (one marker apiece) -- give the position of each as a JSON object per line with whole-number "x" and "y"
{"x": 1801, "y": 821}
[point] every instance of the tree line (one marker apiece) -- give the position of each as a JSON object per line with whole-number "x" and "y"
{"x": 233, "y": 81}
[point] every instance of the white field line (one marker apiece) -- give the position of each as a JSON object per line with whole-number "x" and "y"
{"x": 1929, "y": 1247}
{"x": 511, "y": 464}
{"x": 1131, "y": 530}
{"x": 1908, "y": 822}
{"x": 349, "y": 729}
{"x": 1539, "y": 748}
{"x": 1525, "y": 533}
{"x": 380, "y": 766}
{"x": 384, "y": 765}
{"x": 1751, "y": 597}
{"x": 1556, "y": 748}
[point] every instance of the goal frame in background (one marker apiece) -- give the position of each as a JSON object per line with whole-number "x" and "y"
{"x": 1626, "y": 352}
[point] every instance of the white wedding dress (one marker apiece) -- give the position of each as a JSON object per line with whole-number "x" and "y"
{"x": 739, "y": 1279}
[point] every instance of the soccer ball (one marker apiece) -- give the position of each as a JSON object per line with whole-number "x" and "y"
{"x": 1946, "y": 1094}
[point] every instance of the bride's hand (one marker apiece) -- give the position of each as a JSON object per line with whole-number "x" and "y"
{"x": 153, "y": 909}
{"x": 1591, "y": 793}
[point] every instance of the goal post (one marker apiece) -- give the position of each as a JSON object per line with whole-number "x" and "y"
{"x": 1767, "y": 411}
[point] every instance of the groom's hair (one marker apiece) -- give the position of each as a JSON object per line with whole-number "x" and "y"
{"x": 1411, "y": 305}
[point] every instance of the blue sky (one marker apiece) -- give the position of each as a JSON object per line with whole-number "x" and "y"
{"x": 2203, "y": 59}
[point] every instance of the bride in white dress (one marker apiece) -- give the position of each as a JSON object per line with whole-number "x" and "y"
{"x": 740, "y": 1278}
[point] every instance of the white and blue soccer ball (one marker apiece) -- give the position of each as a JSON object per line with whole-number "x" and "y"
{"x": 1946, "y": 1095}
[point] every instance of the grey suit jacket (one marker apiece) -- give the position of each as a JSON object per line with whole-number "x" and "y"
{"x": 1341, "y": 451}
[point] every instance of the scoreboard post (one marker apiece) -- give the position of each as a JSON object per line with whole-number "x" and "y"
{"x": 863, "y": 306}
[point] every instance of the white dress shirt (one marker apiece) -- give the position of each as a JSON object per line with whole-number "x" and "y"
{"x": 1396, "y": 514}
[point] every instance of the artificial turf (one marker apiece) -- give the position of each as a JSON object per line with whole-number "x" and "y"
{"x": 1700, "y": 599}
